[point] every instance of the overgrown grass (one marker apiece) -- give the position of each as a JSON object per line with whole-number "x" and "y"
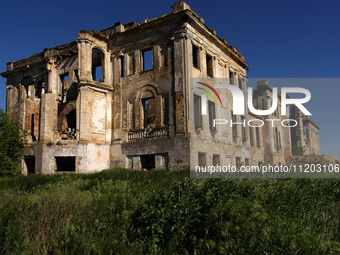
{"x": 157, "y": 212}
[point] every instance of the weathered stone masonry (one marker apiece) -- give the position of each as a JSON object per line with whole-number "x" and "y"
{"x": 120, "y": 98}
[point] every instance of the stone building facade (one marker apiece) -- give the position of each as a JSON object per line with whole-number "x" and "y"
{"x": 121, "y": 97}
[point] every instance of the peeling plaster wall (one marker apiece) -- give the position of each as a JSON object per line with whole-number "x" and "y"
{"x": 89, "y": 158}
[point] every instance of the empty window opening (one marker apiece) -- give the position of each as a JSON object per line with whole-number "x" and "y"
{"x": 148, "y": 161}
{"x": 246, "y": 161}
{"x": 97, "y": 65}
{"x": 98, "y": 74}
{"x": 64, "y": 81}
{"x": 71, "y": 119}
{"x": 147, "y": 59}
{"x": 30, "y": 164}
{"x": 66, "y": 164}
{"x": 202, "y": 159}
{"x": 210, "y": 66}
{"x": 67, "y": 121}
{"x": 149, "y": 108}
{"x": 39, "y": 89}
{"x": 64, "y": 86}
{"x": 122, "y": 66}
{"x": 19, "y": 92}
{"x": 195, "y": 56}
{"x": 32, "y": 129}
{"x": 216, "y": 160}
{"x": 231, "y": 78}
{"x": 197, "y": 111}
{"x": 212, "y": 115}
{"x": 26, "y": 82}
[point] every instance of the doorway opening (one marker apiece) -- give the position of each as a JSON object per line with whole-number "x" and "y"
{"x": 30, "y": 164}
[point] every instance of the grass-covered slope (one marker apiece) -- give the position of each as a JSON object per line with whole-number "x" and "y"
{"x": 157, "y": 212}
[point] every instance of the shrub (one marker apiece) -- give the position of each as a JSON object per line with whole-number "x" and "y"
{"x": 12, "y": 141}
{"x": 298, "y": 150}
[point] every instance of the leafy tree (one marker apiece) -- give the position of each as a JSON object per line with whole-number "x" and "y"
{"x": 12, "y": 141}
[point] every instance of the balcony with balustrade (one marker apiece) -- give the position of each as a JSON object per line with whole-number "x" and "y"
{"x": 148, "y": 133}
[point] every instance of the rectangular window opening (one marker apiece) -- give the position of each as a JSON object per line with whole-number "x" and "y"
{"x": 197, "y": 111}
{"x": 147, "y": 60}
{"x": 148, "y": 161}
{"x": 216, "y": 160}
{"x": 231, "y": 78}
{"x": 246, "y": 162}
{"x": 209, "y": 61}
{"x": 212, "y": 115}
{"x": 65, "y": 164}
{"x": 122, "y": 66}
{"x": 202, "y": 159}
{"x": 195, "y": 56}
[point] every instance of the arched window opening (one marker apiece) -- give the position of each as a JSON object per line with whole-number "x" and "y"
{"x": 97, "y": 65}
{"x": 67, "y": 121}
{"x": 149, "y": 112}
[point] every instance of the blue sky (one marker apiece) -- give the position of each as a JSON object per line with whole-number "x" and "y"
{"x": 279, "y": 39}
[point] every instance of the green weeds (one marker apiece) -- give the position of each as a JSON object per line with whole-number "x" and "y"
{"x": 157, "y": 212}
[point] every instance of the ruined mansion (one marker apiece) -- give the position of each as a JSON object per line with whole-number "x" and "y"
{"x": 121, "y": 97}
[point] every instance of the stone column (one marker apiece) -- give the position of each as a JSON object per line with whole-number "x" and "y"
{"x": 85, "y": 59}
{"x": 9, "y": 99}
{"x": 156, "y": 58}
{"x": 180, "y": 84}
{"x": 48, "y": 116}
{"x": 84, "y": 114}
{"x": 52, "y": 84}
